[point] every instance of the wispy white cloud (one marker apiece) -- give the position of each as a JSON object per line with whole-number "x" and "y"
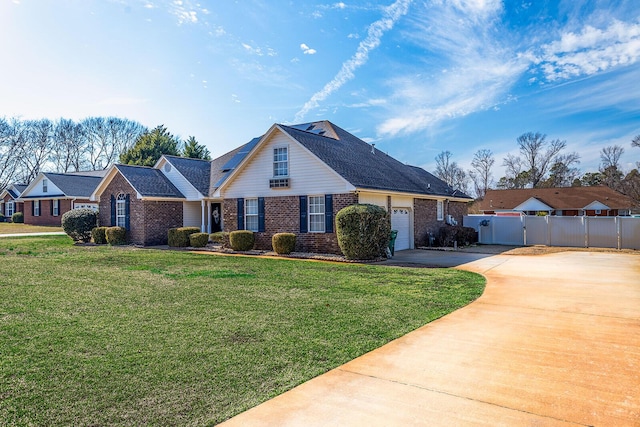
{"x": 590, "y": 51}
{"x": 307, "y": 50}
{"x": 476, "y": 69}
{"x": 374, "y": 34}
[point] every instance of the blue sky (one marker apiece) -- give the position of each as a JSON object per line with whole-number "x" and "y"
{"x": 415, "y": 77}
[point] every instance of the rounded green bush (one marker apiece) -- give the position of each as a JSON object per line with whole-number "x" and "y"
{"x": 99, "y": 235}
{"x": 179, "y": 237}
{"x": 363, "y": 231}
{"x": 283, "y": 243}
{"x": 78, "y": 223}
{"x": 198, "y": 240}
{"x": 116, "y": 236}
{"x": 18, "y": 218}
{"x": 241, "y": 240}
{"x": 221, "y": 237}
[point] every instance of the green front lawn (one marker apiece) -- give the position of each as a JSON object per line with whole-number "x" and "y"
{"x": 122, "y": 336}
{"x": 15, "y": 228}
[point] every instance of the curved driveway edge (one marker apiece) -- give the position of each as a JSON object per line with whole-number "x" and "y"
{"x": 554, "y": 340}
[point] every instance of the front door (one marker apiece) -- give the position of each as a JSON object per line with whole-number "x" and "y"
{"x": 216, "y": 217}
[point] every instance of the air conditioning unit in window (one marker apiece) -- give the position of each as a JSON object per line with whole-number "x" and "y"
{"x": 279, "y": 183}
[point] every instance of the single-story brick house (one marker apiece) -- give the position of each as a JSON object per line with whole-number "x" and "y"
{"x": 50, "y": 195}
{"x": 563, "y": 201}
{"x": 9, "y": 203}
{"x": 291, "y": 179}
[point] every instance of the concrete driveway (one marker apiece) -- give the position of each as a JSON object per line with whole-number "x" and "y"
{"x": 554, "y": 340}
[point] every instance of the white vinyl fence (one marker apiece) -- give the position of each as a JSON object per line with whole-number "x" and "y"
{"x": 577, "y": 231}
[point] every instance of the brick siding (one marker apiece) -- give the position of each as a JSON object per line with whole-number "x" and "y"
{"x": 149, "y": 221}
{"x": 45, "y": 217}
{"x": 282, "y": 214}
{"x": 425, "y": 218}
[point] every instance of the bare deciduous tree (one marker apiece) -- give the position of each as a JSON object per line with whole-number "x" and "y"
{"x": 449, "y": 171}
{"x": 538, "y": 154}
{"x": 482, "y": 163}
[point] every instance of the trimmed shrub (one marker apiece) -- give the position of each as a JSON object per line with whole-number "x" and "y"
{"x": 449, "y": 234}
{"x": 18, "y": 218}
{"x": 198, "y": 240}
{"x": 116, "y": 235}
{"x": 78, "y": 223}
{"x": 283, "y": 243}
{"x": 179, "y": 237}
{"x": 242, "y": 240}
{"x": 363, "y": 231}
{"x": 221, "y": 237}
{"x": 99, "y": 235}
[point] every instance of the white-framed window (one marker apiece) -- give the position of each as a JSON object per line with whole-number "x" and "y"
{"x": 56, "y": 207}
{"x": 440, "y": 210}
{"x": 251, "y": 214}
{"x": 280, "y": 162}
{"x": 36, "y": 208}
{"x": 45, "y": 185}
{"x": 316, "y": 214}
{"x": 598, "y": 211}
{"x": 121, "y": 210}
{"x": 10, "y": 208}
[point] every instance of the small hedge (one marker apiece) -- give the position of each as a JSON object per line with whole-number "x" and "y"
{"x": 116, "y": 235}
{"x": 18, "y": 218}
{"x": 99, "y": 235}
{"x": 449, "y": 234}
{"x": 179, "y": 237}
{"x": 221, "y": 237}
{"x": 198, "y": 240}
{"x": 242, "y": 240}
{"x": 283, "y": 243}
{"x": 363, "y": 231}
{"x": 78, "y": 223}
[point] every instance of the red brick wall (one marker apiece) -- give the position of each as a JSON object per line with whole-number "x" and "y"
{"x": 149, "y": 221}
{"x": 46, "y": 218}
{"x": 282, "y": 214}
{"x": 425, "y": 214}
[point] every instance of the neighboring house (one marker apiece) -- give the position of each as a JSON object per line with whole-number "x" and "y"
{"x": 9, "y": 203}
{"x": 50, "y": 195}
{"x": 562, "y": 201}
{"x": 292, "y": 179}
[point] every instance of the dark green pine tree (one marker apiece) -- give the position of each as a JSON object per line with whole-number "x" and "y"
{"x": 150, "y": 146}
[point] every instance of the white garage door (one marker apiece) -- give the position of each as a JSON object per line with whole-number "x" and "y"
{"x": 401, "y": 221}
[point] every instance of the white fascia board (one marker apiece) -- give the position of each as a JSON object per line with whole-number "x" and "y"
{"x": 533, "y": 204}
{"x": 414, "y": 195}
{"x": 31, "y": 186}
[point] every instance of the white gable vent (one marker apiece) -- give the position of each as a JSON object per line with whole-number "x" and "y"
{"x": 279, "y": 183}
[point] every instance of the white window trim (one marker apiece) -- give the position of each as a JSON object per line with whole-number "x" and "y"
{"x": 248, "y": 215}
{"x": 10, "y": 208}
{"x": 121, "y": 210}
{"x": 310, "y": 215}
{"x": 56, "y": 207}
{"x": 285, "y": 147}
{"x": 440, "y": 210}
{"x": 45, "y": 185}
{"x": 36, "y": 208}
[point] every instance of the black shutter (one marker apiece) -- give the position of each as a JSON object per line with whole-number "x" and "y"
{"x": 33, "y": 209}
{"x": 328, "y": 213}
{"x": 126, "y": 212}
{"x": 240, "y": 214}
{"x": 113, "y": 210}
{"x": 261, "y": 214}
{"x": 51, "y": 208}
{"x": 303, "y": 214}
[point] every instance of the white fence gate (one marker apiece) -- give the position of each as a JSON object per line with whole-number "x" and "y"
{"x": 577, "y": 231}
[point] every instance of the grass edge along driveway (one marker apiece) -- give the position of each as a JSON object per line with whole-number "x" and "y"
{"x": 122, "y": 336}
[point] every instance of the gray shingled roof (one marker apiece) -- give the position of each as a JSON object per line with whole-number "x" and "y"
{"x": 149, "y": 182}
{"x": 222, "y": 167}
{"x": 16, "y": 189}
{"x": 74, "y": 185}
{"x": 354, "y": 160}
{"x": 196, "y": 171}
